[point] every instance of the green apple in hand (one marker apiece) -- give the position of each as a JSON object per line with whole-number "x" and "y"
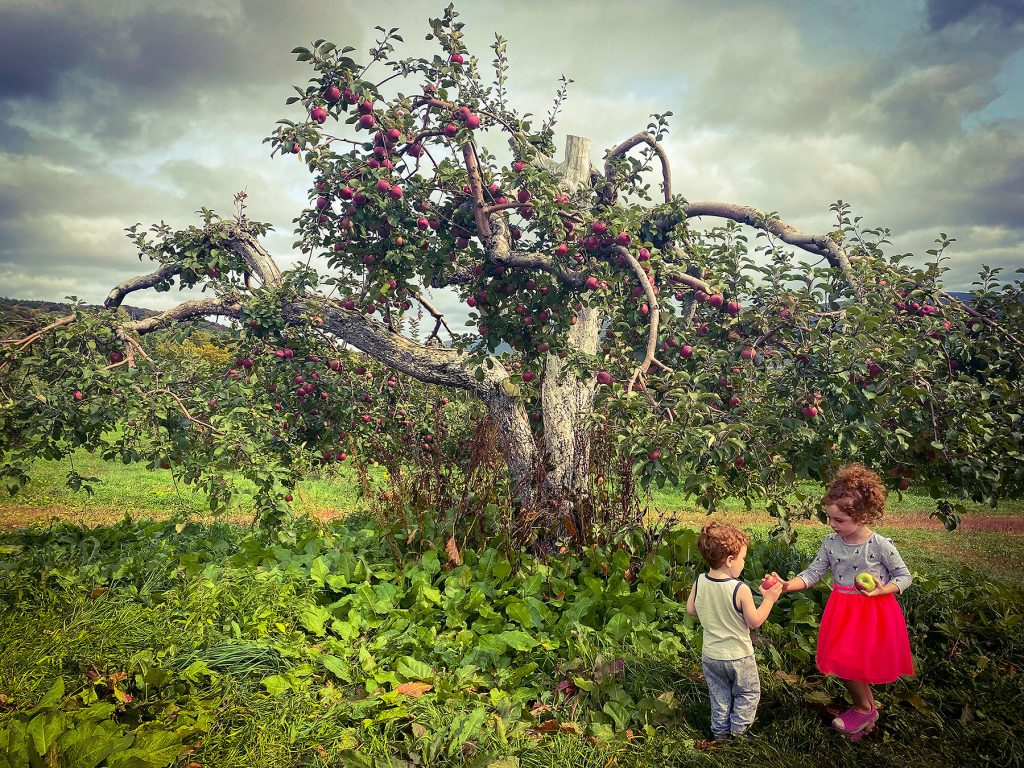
{"x": 865, "y": 582}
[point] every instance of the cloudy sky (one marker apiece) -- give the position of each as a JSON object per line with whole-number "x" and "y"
{"x": 126, "y": 111}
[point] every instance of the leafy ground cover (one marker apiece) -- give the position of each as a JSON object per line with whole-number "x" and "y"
{"x": 170, "y": 642}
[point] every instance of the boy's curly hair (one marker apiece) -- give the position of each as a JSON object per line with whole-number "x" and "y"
{"x": 719, "y": 540}
{"x": 858, "y": 492}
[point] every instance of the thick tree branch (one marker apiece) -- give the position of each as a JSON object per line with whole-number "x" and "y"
{"x": 628, "y": 144}
{"x": 655, "y": 313}
{"x": 117, "y": 294}
{"x": 187, "y": 310}
{"x": 476, "y": 185}
{"x": 431, "y": 365}
{"x": 822, "y": 245}
{"x": 693, "y": 282}
{"x": 257, "y": 258}
{"x": 501, "y": 253}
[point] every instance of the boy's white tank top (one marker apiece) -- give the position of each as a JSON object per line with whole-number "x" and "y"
{"x": 726, "y": 634}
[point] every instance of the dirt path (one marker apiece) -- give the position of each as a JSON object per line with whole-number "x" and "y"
{"x": 18, "y": 516}
{"x": 1012, "y": 524}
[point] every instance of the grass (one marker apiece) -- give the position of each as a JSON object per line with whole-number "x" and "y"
{"x": 137, "y": 492}
{"x": 154, "y": 493}
{"x": 174, "y": 597}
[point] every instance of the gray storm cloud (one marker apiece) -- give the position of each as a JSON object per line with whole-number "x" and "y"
{"x": 121, "y": 112}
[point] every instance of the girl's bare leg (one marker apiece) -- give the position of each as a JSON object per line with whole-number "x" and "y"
{"x": 863, "y": 700}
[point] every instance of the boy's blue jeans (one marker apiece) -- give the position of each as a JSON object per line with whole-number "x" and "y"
{"x": 735, "y": 689}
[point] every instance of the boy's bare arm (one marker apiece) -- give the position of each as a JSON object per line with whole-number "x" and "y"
{"x": 755, "y": 615}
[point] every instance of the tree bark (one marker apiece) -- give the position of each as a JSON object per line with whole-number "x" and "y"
{"x": 567, "y": 401}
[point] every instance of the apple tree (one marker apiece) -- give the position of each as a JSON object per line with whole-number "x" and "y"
{"x": 716, "y": 346}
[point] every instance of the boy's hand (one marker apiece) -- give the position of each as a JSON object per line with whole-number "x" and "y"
{"x": 775, "y": 590}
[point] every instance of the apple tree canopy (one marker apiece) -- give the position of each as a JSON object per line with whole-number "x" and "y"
{"x": 718, "y": 347}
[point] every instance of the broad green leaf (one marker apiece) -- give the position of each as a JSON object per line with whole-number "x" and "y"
{"x": 319, "y": 571}
{"x": 43, "y": 730}
{"x": 85, "y": 747}
{"x": 520, "y": 641}
{"x": 276, "y": 684}
{"x": 337, "y": 667}
{"x": 413, "y": 669}
{"x": 52, "y": 697}
{"x": 618, "y": 713}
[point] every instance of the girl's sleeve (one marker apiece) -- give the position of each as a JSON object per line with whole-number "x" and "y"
{"x": 813, "y": 572}
{"x": 893, "y": 562}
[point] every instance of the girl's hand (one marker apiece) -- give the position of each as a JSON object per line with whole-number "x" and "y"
{"x": 876, "y": 592}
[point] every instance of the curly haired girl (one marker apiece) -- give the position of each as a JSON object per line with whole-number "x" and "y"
{"x": 863, "y": 635}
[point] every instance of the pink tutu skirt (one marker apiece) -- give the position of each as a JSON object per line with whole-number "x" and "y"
{"x": 863, "y": 638}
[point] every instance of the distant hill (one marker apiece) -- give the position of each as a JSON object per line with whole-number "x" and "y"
{"x": 17, "y": 311}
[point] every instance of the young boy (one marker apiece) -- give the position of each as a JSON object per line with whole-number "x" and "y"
{"x": 725, "y": 607}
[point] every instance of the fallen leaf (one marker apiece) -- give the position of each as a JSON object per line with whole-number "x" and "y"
{"x": 453, "y": 551}
{"x": 787, "y": 677}
{"x": 817, "y": 697}
{"x": 414, "y": 689}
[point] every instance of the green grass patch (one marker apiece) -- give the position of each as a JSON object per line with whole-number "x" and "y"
{"x": 154, "y": 493}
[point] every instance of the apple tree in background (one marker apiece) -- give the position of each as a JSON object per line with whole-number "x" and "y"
{"x": 715, "y": 346}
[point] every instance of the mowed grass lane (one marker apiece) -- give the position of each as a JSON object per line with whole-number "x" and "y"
{"x": 990, "y": 540}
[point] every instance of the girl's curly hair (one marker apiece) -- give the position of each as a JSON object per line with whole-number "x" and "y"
{"x": 858, "y": 492}
{"x": 719, "y": 540}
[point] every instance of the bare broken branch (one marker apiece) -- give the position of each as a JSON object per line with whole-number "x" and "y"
{"x": 628, "y": 144}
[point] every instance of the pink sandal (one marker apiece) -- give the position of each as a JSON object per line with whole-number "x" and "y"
{"x": 852, "y": 721}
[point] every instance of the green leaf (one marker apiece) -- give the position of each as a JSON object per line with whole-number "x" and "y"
{"x": 414, "y": 669}
{"x": 43, "y": 730}
{"x": 314, "y": 618}
{"x": 519, "y": 612}
{"x": 430, "y": 562}
{"x": 337, "y": 667}
{"x": 319, "y": 571}
{"x": 52, "y": 697}
{"x": 618, "y": 713}
{"x": 519, "y": 640}
{"x": 85, "y": 747}
{"x": 152, "y": 749}
{"x": 276, "y": 684}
